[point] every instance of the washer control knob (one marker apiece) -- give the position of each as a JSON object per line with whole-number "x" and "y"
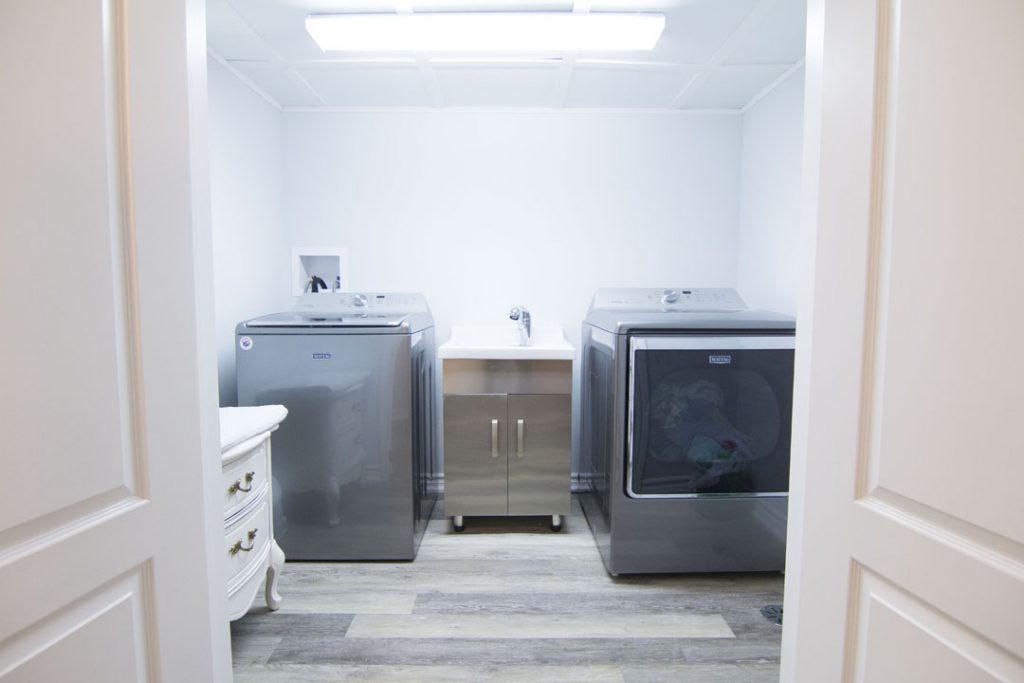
{"x": 669, "y": 296}
{"x": 359, "y": 299}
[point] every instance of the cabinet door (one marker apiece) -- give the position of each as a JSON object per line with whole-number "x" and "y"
{"x": 475, "y": 455}
{"x": 539, "y": 446}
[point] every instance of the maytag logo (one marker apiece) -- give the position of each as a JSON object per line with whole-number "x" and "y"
{"x": 720, "y": 360}
{"x": 323, "y": 356}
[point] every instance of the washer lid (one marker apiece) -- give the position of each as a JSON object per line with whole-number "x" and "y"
{"x": 373, "y": 312}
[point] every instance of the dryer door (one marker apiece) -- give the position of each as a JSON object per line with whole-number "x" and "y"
{"x": 709, "y": 416}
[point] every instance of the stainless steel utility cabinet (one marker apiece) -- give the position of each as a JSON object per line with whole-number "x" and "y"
{"x": 507, "y": 438}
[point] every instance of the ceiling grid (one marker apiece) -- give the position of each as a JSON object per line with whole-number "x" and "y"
{"x": 724, "y": 52}
{"x": 715, "y": 55}
{"x": 430, "y": 82}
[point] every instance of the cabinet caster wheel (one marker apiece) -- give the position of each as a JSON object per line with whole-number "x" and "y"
{"x": 458, "y": 524}
{"x": 556, "y": 523}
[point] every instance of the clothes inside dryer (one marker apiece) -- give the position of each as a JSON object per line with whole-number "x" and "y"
{"x": 706, "y": 428}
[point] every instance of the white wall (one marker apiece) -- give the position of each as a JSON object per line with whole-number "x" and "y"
{"x": 482, "y": 211}
{"x": 768, "y": 244}
{"x": 251, "y": 249}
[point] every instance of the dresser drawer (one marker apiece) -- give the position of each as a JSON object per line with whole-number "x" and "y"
{"x": 246, "y": 542}
{"x": 244, "y": 474}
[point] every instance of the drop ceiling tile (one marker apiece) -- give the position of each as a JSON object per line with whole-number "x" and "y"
{"x": 625, "y": 87}
{"x": 283, "y": 86}
{"x": 731, "y": 87}
{"x": 694, "y": 29}
{"x": 282, "y": 25}
{"x": 369, "y": 86}
{"x": 777, "y": 39}
{"x": 230, "y": 37}
{"x": 511, "y": 86}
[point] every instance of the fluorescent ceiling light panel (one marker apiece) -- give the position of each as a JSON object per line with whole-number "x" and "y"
{"x": 486, "y": 31}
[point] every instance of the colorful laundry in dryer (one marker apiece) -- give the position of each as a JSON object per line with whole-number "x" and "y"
{"x": 693, "y": 420}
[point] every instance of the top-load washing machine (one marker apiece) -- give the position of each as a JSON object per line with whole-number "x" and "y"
{"x": 685, "y": 430}
{"x": 351, "y": 463}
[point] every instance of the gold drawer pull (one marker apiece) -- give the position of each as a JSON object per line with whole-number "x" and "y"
{"x": 237, "y": 486}
{"x": 233, "y": 550}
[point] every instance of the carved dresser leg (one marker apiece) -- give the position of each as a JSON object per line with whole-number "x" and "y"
{"x": 273, "y": 572}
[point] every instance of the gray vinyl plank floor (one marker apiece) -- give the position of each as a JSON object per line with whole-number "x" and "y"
{"x": 507, "y": 600}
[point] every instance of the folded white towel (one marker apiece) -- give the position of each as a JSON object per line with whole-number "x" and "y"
{"x": 239, "y": 424}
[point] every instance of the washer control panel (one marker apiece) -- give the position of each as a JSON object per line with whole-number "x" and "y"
{"x": 361, "y": 302}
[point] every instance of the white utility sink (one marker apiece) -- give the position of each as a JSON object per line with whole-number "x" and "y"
{"x": 501, "y": 342}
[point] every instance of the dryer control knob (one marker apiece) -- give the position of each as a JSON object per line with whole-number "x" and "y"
{"x": 359, "y": 299}
{"x": 669, "y": 296}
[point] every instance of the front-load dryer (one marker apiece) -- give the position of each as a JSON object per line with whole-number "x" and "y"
{"x": 685, "y": 430}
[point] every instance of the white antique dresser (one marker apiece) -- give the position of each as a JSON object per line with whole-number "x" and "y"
{"x": 247, "y": 482}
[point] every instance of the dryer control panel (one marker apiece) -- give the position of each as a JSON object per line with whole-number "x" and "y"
{"x": 669, "y": 298}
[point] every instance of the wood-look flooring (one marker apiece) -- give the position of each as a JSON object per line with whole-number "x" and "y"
{"x": 508, "y": 600}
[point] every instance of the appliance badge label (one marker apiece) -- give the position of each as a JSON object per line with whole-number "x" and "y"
{"x": 323, "y": 356}
{"x": 720, "y": 360}
{"x": 245, "y": 343}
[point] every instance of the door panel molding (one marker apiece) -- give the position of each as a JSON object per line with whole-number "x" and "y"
{"x": 879, "y": 236}
{"x": 878, "y": 656}
{"x": 128, "y": 594}
{"x": 943, "y": 527}
{"x": 106, "y": 238}
{"x": 37, "y": 534}
{"x": 125, "y": 241}
{"x": 138, "y": 544}
{"x": 884, "y": 355}
{"x": 993, "y": 575}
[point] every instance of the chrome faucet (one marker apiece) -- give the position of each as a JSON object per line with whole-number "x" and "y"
{"x": 521, "y": 314}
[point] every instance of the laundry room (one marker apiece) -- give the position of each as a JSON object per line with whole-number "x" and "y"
{"x": 585, "y": 192}
{"x": 511, "y": 340}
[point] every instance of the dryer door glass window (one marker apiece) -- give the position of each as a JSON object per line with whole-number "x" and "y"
{"x": 709, "y": 416}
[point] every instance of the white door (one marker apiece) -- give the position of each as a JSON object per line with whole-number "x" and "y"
{"x": 107, "y": 383}
{"x": 906, "y": 560}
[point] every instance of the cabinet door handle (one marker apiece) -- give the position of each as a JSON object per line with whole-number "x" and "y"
{"x": 520, "y": 424}
{"x": 494, "y": 438}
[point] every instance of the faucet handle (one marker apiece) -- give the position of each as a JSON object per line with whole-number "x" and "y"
{"x": 515, "y": 313}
